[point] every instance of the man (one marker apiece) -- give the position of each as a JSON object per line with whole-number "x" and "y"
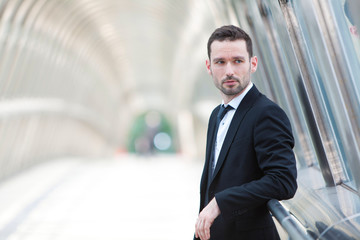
{"x": 249, "y": 157}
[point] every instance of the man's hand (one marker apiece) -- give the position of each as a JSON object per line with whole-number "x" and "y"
{"x": 206, "y": 219}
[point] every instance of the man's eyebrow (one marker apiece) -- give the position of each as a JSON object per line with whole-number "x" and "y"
{"x": 236, "y": 58}
{"x": 239, "y": 57}
{"x": 217, "y": 59}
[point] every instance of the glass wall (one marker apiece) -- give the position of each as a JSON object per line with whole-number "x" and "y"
{"x": 309, "y": 64}
{"x": 347, "y": 39}
{"x": 308, "y": 55}
{"x": 332, "y": 55}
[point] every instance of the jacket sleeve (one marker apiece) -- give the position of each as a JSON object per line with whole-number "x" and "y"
{"x": 272, "y": 143}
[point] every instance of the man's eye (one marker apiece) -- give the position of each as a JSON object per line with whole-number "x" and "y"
{"x": 238, "y": 61}
{"x": 220, "y": 62}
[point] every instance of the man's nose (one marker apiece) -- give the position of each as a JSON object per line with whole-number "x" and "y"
{"x": 229, "y": 69}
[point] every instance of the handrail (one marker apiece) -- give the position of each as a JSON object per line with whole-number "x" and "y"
{"x": 295, "y": 230}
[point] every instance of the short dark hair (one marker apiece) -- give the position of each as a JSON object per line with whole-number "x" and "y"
{"x": 230, "y": 33}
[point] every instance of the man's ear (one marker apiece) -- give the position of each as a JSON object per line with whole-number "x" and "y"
{"x": 208, "y": 66}
{"x": 253, "y": 62}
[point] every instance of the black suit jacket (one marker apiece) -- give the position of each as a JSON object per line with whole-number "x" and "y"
{"x": 256, "y": 164}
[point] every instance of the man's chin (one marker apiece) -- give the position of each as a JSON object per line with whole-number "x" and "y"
{"x": 231, "y": 91}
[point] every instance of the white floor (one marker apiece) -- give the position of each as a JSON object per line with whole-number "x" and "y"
{"x": 127, "y": 198}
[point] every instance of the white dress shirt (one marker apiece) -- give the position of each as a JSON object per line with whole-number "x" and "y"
{"x": 225, "y": 122}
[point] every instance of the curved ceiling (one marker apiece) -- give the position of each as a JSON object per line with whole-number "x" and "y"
{"x": 159, "y": 47}
{"x": 110, "y": 60}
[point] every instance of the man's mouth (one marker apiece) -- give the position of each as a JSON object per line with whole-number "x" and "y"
{"x": 230, "y": 82}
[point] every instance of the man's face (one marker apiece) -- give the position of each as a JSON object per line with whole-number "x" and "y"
{"x": 230, "y": 67}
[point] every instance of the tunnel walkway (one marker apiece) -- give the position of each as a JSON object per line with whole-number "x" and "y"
{"x": 127, "y": 198}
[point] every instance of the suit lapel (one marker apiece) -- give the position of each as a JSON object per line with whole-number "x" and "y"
{"x": 240, "y": 113}
{"x": 209, "y": 146}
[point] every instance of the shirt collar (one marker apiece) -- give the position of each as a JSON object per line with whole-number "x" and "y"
{"x": 236, "y": 101}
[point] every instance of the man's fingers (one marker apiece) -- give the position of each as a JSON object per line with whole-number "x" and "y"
{"x": 197, "y": 228}
{"x": 202, "y": 234}
{"x": 207, "y": 230}
{"x": 202, "y": 229}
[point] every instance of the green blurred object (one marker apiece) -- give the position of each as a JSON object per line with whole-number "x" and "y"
{"x": 151, "y": 133}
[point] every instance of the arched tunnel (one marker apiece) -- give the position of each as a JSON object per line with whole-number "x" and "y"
{"x": 99, "y": 85}
{"x": 76, "y": 76}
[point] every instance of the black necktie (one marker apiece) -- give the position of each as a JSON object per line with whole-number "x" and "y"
{"x": 223, "y": 110}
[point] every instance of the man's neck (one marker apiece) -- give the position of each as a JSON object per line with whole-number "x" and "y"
{"x": 228, "y": 98}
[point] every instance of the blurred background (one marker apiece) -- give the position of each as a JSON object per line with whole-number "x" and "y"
{"x": 104, "y": 108}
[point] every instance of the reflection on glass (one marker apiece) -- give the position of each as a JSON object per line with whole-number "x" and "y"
{"x": 352, "y": 27}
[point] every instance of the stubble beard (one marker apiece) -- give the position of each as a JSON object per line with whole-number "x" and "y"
{"x": 235, "y": 90}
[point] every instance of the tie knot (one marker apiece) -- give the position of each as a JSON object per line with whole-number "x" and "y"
{"x": 223, "y": 110}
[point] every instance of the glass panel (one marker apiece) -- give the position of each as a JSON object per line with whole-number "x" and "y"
{"x": 278, "y": 75}
{"x": 328, "y": 64}
{"x": 290, "y": 81}
{"x": 324, "y": 78}
{"x": 347, "y": 36}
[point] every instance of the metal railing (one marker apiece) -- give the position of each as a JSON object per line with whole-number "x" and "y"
{"x": 294, "y": 229}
